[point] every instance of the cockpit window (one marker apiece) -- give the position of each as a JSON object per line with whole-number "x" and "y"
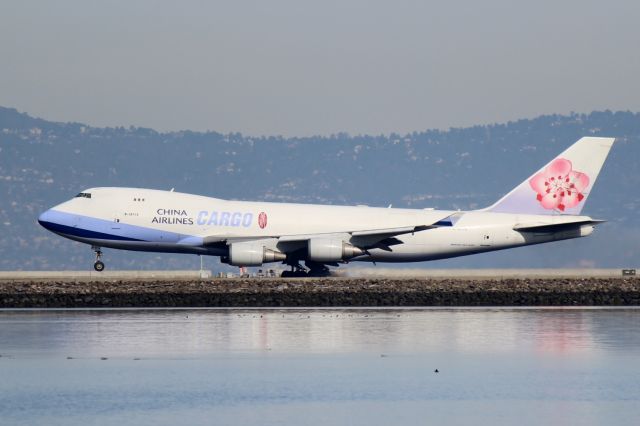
{"x": 84, "y": 195}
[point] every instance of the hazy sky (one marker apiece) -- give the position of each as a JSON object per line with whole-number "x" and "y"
{"x": 295, "y": 67}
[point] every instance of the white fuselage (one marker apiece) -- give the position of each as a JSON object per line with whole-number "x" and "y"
{"x": 153, "y": 220}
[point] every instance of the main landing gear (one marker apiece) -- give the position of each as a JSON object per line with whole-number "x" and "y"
{"x": 296, "y": 271}
{"x": 98, "y": 265}
{"x": 315, "y": 270}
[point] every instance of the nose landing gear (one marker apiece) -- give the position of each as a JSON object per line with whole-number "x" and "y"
{"x": 98, "y": 265}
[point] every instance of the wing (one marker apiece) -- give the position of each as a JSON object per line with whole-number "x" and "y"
{"x": 366, "y": 239}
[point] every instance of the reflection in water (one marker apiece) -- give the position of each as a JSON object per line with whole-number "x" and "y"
{"x": 319, "y": 366}
{"x": 565, "y": 334}
{"x": 203, "y": 332}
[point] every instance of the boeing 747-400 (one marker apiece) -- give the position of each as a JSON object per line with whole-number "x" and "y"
{"x": 546, "y": 207}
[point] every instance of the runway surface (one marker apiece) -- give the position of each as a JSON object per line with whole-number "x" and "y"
{"x": 67, "y": 292}
{"x": 356, "y": 272}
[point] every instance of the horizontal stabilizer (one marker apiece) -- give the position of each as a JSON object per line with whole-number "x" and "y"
{"x": 554, "y": 227}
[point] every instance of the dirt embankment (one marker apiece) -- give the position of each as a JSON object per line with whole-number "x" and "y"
{"x": 321, "y": 292}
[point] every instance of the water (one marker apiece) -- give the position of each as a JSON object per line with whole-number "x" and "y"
{"x": 320, "y": 366}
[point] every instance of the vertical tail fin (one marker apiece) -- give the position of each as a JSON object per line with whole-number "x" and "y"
{"x": 563, "y": 185}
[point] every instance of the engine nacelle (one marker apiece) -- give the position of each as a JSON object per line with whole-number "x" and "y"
{"x": 328, "y": 250}
{"x": 252, "y": 254}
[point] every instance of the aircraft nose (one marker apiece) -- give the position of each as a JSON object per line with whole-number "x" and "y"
{"x": 45, "y": 219}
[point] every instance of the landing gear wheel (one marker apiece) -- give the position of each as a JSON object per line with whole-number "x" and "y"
{"x": 98, "y": 265}
{"x": 319, "y": 273}
{"x": 297, "y": 271}
{"x": 317, "y": 269}
{"x": 293, "y": 274}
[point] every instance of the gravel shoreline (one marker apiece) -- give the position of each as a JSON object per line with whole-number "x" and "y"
{"x": 321, "y": 292}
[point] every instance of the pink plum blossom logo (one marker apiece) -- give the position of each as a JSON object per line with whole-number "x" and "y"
{"x": 262, "y": 220}
{"x": 559, "y": 186}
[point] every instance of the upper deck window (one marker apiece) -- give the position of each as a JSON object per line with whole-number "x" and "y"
{"x": 84, "y": 195}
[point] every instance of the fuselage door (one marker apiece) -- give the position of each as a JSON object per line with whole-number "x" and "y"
{"x": 485, "y": 239}
{"x": 115, "y": 224}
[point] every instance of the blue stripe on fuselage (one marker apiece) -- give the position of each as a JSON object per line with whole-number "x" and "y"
{"x": 82, "y": 233}
{"x": 80, "y": 226}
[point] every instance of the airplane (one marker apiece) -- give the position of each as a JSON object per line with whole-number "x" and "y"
{"x": 545, "y": 207}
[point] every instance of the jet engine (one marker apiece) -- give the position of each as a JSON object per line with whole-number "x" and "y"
{"x": 252, "y": 254}
{"x": 329, "y": 250}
